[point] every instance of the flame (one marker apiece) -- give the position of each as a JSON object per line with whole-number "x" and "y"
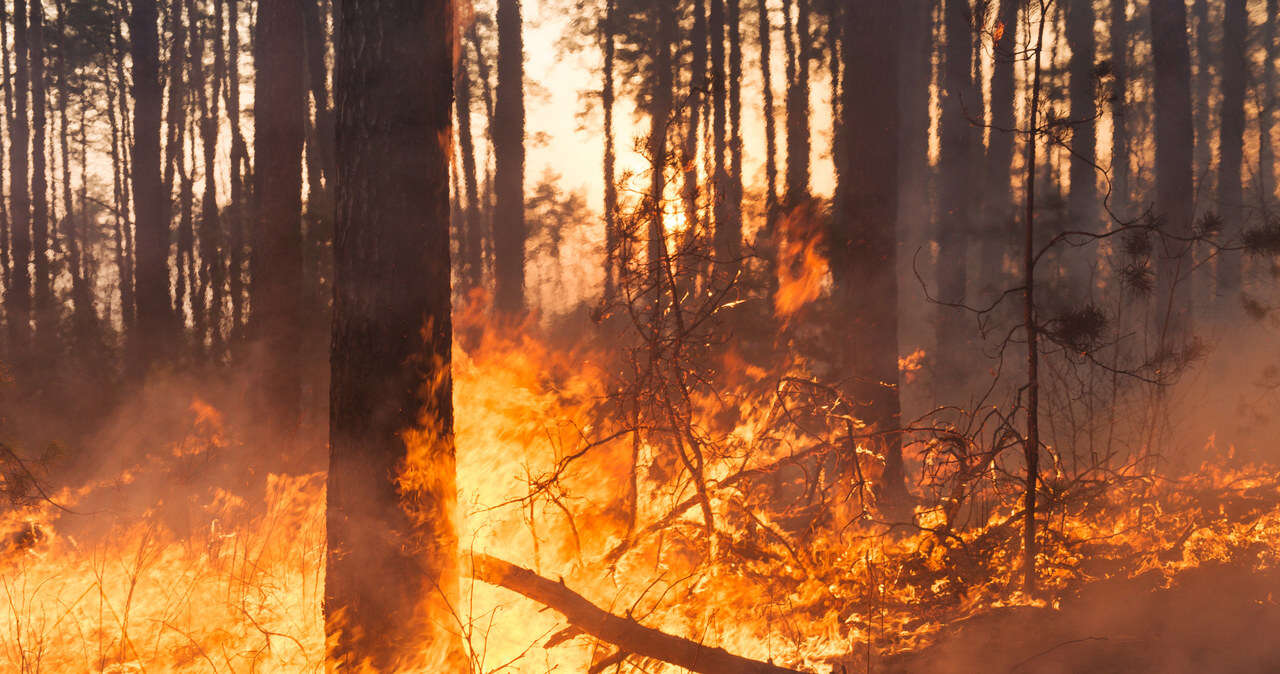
{"x": 545, "y": 480}
{"x": 802, "y": 267}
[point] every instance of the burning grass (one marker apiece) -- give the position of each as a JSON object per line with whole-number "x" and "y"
{"x": 799, "y": 564}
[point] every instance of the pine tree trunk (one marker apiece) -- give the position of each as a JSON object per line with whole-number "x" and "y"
{"x": 1175, "y": 184}
{"x": 733, "y": 191}
{"x": 954, "y": 221}
{"x": 611, "y": 233}
{"x": 1267, "y": 113}
{"x": 473, "y": 238}
{"x": 18, "y": 292}
{"x": 865, "y": 242}
{"x": 153, "y": 335}
{"x": 1121, "y": 190}
{"x": 695, "y": 101}
{"x": 1201, "y": 108}
{"x": 1231, "y": 145}
{"x": 276, "y": 263}
{"x": 770, "y": 121}
{"x": 239, "y": 206}
{"x": 659, "y": 114}
{"x": 6, "y": 250}
{"x": 1082, "y": 200}
{"x": 45, "y": 315}
{"x": 392, "y": 576}
{"x": 1000, "y": 222}
{"x": 508, "y": 147}
{"x": 797, "y": 189}
{"x": 213, "y": 269}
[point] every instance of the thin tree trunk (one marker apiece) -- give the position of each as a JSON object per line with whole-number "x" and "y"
{"x": 611, "y": 233}
{"x": 390, "y": 588}
{"x": 508, "y": 146}
{"x": 213, "y": 269}
{"x": 45, "y": 315}
{"x": 239, "y": 169}
{"x": 84, "y": 315}
{"x": 1201, "y": 108}
{"x": 733, "y": 227}
{"x": 1267, "y": 113}
{"x": 1231, "y": 145}
{"x": 659, "y": 116}
{"x": 473, "y": 238}
{"x": 770, "y": 122}
{"x": 18, "y": 292}
{"x": 698, "y": 86}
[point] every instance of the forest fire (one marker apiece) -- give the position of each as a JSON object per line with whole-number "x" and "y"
{"x": 960, "y": 360}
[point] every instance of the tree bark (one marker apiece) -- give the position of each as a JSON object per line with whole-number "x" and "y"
{"x": 1267, "y": 112}
{"x": 1082, "y": 200}
{"x": 473, "y": 238}
{"x": 625, "y": 633}
{"x": 1175, "y": 184}
{"x": 1231, "y": 145}
{"x": 864, "y": 245}
{"x": 1121, "y": 190}
{"x": 277, "y": 257}
{"x": 18, "y": 292}
{"x": 770, "y": 122}
{"x": 508, "y": 146}
{"x": 46, "y": 318}
{"x": 239, "y": 168}
{"x": 798, "y": 144}
{"x": 698, "y": 88}
{"x": 998, "y": 197}
{"x": 954, "y": 221}
{"x": 392, "y": 574}
{"x": 612, "y": 236}
{"x": 153, "y": 336}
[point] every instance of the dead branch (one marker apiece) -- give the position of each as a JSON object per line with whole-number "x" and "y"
{"x": 625, "y": 633}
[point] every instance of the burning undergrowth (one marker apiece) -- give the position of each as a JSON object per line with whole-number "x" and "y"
{"x": 732, "y": 503}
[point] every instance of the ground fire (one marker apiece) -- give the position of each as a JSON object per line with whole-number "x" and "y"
{"x": 639, "y": 336}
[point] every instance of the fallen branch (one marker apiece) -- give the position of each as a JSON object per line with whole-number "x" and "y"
{"x": 628, "y": 635}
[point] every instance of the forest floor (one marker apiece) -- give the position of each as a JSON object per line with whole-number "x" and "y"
{"x": 1216, "y": 618}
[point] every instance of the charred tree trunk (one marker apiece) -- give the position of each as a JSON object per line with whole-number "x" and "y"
{"x": 473, "y": 238}
{"x": 18, "y": 291}
{"x": 1267, "y": 112}
{"x": 865, "y": 244}
{"x": 392, "y": 576}
{"x": 213, "y": 269}
{"x": 46, "y": 318}
{"x": 6, "y": 250}
{"x": 695, "y": 103}
{"x": 277, "y": 257}
{"x": 1175, "y": 184}
{"x": 239, "y": 168}
{"x": 732, "y": 231}
{"x": 659, "y": 116}
{"x": 1201, "y": 108}
{"x": 998, "y": 197}
{"x": 797, "y": 189}
{"x": 954, "y": 199}
{"x": 607, "y": 95}
{"x": 1231, "y": 144}
{"x": 1121, "y": 190}
{"x": 153, "y": 336}
{"x": 1082, "y": 200}
{"x": 508, "y": 147}
{"x": 719, "y": 131}
{"x": 770, "y": 122}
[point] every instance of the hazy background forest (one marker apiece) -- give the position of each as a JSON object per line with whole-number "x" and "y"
{"x": 832, "y": 333}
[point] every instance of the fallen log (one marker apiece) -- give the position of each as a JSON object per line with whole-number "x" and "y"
{"x": 627, "y": 634}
